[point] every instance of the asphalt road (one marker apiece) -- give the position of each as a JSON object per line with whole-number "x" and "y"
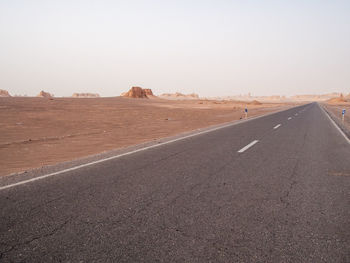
{"x": 283, "y": 199}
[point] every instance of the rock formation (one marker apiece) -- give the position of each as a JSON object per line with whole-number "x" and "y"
{"x": 85, "y": 95}
{"x": 4, "y": 93}
{"x": 44, "y": 94}
{"x": 180, "y": 96}
{"x": 255, "y": 102}
{"x": 340, "y": 99}
{"x": 311, "y": 97}
{"x": 148, "y": 92}
{"x": 137, "y": 92}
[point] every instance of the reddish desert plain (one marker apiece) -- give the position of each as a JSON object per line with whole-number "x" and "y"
{"x": 37, "y": 132}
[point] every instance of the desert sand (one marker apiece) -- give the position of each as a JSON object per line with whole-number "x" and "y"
{"x": 38, "y": 131}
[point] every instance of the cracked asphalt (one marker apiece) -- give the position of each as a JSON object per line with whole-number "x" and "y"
{"x": 285, "y": 199}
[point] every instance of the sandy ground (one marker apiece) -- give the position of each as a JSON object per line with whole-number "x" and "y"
{"x": 36, "y": 132}
{"x": 336, "y": 109}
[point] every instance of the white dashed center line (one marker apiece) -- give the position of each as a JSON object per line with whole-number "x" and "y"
{"x": 277, "y": 126}
{"x": 289, "y": 118}
{"x": 296, "y": 114}
{"x": 248, "y": 146}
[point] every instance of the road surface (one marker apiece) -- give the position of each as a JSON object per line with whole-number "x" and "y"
{"x": 274, "y": 189}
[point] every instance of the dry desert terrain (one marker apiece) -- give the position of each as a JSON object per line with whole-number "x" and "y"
{"x": 37, "y": 132}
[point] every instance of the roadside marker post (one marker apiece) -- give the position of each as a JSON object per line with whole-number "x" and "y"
{"x": 343, "y": 115}
{"x": 246, "y": 112}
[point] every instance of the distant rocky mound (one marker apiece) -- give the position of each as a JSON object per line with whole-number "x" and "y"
{"x": 340, "y": 99}
{"x": 4, "y": 93}
{"x": 179, "y": 96}
{"x": 137, "y": 92}
{"x": 273, "y": 97}
{"x": 149, "y": 93}
{"x": 44, "y": 94}
{"x": 311, "y": 97}
{"x": 255, "y": 102}
{"x": 86, "y": 95}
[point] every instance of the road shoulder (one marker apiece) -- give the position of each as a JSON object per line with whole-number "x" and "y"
{"x": 336, "y": 121}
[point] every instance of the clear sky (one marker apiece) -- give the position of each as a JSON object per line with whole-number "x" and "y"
{"x": 214, "y": 48}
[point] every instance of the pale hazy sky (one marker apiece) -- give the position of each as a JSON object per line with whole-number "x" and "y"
{"x": 217, "y": 47}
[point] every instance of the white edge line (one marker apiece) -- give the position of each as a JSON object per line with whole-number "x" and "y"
{"x": 135, "y": 151}
{"x": 248, "y": 146}
{"x": 277, "y": 126}
{"x": 335, "y": 125}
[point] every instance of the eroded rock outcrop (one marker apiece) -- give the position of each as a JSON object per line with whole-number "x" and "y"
{"x": 255, "y": 102}
{"x": 85, "y": 95}
{"x": 340, "y": 99}
{"x": 4, "y": 93}
{"x": 180, "y": 96}
{"x": 137, "y": 92}
{"x": 148, "y": 92}
{"x": 44, "y": 94}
